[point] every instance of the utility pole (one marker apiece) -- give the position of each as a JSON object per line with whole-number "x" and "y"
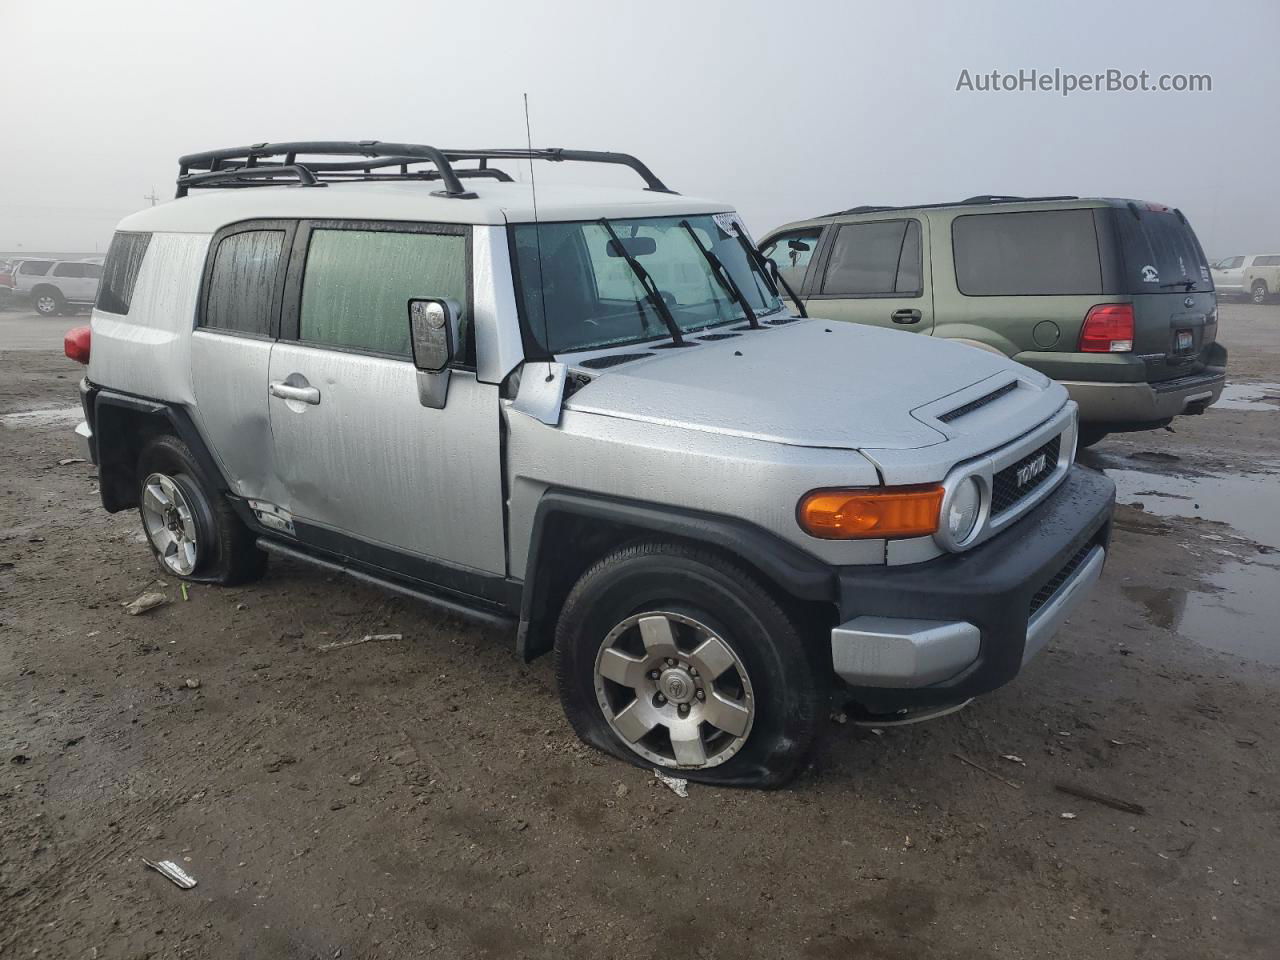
{"x": 152, "y": 197}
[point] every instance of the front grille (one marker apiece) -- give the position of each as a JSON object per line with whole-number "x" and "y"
{"x": 1006, "y": 492}
{"x": 1046, "y": 593}
{"x": 612, "y": 360}
{"x": 977, "y": 404}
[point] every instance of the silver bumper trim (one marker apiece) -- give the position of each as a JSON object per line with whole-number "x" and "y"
{"x": 1050, "y": 617}
{"x": 899, "y": 652}
{"x": 85, "y": 436}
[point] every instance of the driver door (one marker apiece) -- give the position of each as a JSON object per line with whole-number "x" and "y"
{"x": 366, "y": 469}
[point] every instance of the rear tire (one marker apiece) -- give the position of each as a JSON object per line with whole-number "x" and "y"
{"x": 1259, "y": 293}
{"x": 1089, "y": 435}
{"x": 715, "y": 669}
{"x": 48, "y": 302}
{"x": 191, "y": 528}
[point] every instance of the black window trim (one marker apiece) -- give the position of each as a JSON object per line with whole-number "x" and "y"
{"x": 288, "y": 228}
{"x": 818, "y": 278}
{"x": 291, "y": 312}
{"x": 1103, "y": 248}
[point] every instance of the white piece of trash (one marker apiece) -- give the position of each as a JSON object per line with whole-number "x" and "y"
{"x": 148, "y": 601}
{"x": 1067, "y": 816}
{"x": 678, "y": 785}
{"x": 367, "y": 638}
{"x": 172, "y": 871}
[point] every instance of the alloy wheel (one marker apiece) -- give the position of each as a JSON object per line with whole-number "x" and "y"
{"x": 170, "y": 524}
{"x": 674, "y": 691}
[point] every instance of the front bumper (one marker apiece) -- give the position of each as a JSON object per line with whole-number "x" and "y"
{"x": 949, "y": 629}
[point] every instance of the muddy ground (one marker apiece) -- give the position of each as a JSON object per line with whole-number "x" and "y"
{"x": 426, "y": 798}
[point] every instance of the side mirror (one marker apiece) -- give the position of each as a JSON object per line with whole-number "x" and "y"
{"x": 433, "y": 332}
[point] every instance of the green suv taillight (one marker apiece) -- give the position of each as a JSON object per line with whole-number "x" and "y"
{"x": 1108, "y": 328}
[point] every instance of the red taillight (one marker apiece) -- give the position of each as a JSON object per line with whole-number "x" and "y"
{"x": 1108, "y": 328}
{"x": 76, "y": 344}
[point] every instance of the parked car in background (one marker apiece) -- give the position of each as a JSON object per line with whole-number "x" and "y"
{"x": 1112, "y": 298}
{"x": 7, "y": 268}
{"x": 57, "y": 286}
{"x": 719, "y": 514}
{"x": 1256, "y": 276}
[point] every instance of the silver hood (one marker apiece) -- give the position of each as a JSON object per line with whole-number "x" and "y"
{"x": 814, "y": 383}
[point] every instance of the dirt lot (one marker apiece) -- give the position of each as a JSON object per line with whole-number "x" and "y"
{"x": 425, "y": 797}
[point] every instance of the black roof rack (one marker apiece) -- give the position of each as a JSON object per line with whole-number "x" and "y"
{"x": 291, "y": 162}
{"x": 968, "y": 201}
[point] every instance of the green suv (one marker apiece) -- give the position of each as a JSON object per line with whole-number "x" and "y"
{"x": 1113, "y": 298}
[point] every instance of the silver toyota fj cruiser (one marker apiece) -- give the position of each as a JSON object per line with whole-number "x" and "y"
{"x": 585, "y": 414}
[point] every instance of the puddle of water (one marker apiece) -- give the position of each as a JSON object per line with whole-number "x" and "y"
{"x": 1249, "y": 396}
{"x": 41, "y": 418}
{"x": 1241, "y": 619}
{"x": 1249, "y": 502}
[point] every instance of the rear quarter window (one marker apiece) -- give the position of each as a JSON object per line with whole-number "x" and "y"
{"x": 35, "y": 268}
{"x": 120, "y": 271}
{"x": 1038, "y": 253}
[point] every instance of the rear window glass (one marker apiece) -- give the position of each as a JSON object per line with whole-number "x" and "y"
{"x": 243, "y": 282}
{"x": 1267, "y": 262}
{"x": 120, "y": 272}
{"x": 1045, "y": 252}
{"x": 1160, "y": 252}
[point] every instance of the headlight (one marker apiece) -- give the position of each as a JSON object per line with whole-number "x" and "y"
{"x": 963, "y": 510}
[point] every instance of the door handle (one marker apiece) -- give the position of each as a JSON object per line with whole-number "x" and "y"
{"x": 287, "y": 391}
{"x": 905, "y": 316}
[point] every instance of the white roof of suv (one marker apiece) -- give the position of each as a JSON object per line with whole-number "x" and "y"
{"x": 495, "y": 203}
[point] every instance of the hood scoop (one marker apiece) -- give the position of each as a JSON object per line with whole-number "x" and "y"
{"x": 979, "y": 403}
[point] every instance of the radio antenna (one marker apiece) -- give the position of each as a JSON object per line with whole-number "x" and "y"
{"x": 537, "y": 240}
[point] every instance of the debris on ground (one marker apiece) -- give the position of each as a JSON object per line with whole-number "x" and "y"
{"x": 191, "y": 683}
{"x": 67, "y": 461}
{"x": 367, "y": 638}
{"x": 678, "y": 785}
{"x": 184, "y": 592}
{"x": 174, "y": 872}
{"x": 989, "y": 773}
{"x": 1067, "y": 816}
{"x": 840, "y": 717}
{"x": 356, "y": 779}
{"x": 1013, "y": 758}
{"x": 1127, "y": 806}
{"x": 19, "y": 759}
{"x": 148, "y": 601}
{"x": 621, "y": 791}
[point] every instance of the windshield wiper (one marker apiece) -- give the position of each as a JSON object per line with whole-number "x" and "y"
{"x": 1188, "y": 285}
{"x": 724, "y": 276}
{"x": 652, "y": 293}
{"x": 761, "y": 264}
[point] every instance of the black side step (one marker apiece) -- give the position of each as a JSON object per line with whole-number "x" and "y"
{"x": 482, "y": 614}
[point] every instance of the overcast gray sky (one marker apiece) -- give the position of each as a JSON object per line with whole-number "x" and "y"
{"x": 784, "y": 109}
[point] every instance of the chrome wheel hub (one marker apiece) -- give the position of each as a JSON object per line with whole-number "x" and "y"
{"x": 674, "y": 691}
{"x": 170, "y": 524}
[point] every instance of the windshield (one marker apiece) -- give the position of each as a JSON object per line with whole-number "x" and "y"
{"x": 584, "y": 295}
{"x": 1161, "y": 252}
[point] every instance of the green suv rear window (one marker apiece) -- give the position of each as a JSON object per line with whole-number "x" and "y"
{"x": 1161, "y": 252}
{"x": 1041, "y": 253}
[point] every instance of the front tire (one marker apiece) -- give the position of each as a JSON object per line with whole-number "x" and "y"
{"x": 676, "y": 657}
{"x": 191, "y": 528}
{"x": 48, "y": 302}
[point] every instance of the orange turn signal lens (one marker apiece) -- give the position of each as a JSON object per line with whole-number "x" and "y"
{"x": 871, "y": 514}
